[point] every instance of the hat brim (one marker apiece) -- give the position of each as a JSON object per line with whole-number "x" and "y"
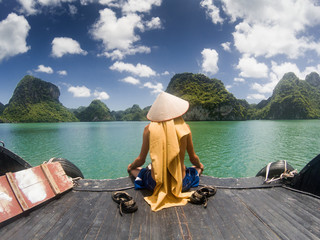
{"x": 167, "y": 107}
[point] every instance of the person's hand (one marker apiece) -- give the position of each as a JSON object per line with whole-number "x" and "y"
{"x": 129, "y": 167}
{"x": 202, "y": 168}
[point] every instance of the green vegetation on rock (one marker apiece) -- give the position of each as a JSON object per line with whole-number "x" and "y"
{"x": 97, "y": 111}
{"x": 292, "y": 98}
{"x": 35, "y": 100}
{"x": 135, "y": 113}
{"x": 208, "y": 98}
{"x": 1, "y": 107}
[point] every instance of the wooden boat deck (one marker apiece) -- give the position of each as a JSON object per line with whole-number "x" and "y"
{"x": 88, "y": 212}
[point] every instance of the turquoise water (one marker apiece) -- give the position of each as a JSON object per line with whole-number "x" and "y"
{"x": 227, "y": 149}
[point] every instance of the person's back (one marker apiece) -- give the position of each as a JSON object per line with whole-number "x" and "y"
{"x": 167, "y": 137}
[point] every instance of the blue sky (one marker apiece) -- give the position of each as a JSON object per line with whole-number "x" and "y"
{"x": 125, "y": 52}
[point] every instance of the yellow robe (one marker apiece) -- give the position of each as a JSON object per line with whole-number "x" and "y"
{"x": 164, "y": 153}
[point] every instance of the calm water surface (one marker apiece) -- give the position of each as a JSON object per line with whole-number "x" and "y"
{"x": 227, "y": 149}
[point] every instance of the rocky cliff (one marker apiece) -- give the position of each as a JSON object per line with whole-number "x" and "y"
{"x": 97, "y": 111}
{"x": 135, "y": 113}
{"x": 292, "y": 98}
{"x": 35, "y": 100}
{"x": 208, "y": 98}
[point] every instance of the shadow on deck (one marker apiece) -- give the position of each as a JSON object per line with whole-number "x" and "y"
{"x": 88, "y": 212}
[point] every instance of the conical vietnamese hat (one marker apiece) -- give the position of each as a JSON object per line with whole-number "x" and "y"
{"x": 167, "y": 107}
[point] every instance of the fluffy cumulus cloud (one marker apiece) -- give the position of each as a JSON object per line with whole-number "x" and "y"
{"x": 80, "y": 91}
{"x": 140, "y": 70}
{"x": 226, "y": 46}
{"x": 13, "y": 31}
{"x": 212, "y": 11}
{"x": 276, "y": 73}
{"x": 120, "y": 36}
{"x": 64, "y": 45}
{"x": 210, "y": 61}
{"x": 269, "y": 28}
{"x": 63, "y": 73}
{"x": 264, "y": 87}
{"x": 256, "y": 96}
{"x": 84, "y": 92}
{"x": 154, "y": 23}
{"x": 44, "y": 69}
{"x": 31, "y": 7}
{"x": 131, "y": 80}
{"x": 101, "y": 95}
{"x": 156, "y": 88}
{"x": 249, "y": 67}
{"x": 239, "y": 80}
{"x": 140, "y": 6}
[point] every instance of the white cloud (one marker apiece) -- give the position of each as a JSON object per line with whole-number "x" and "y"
{"x": 73, "y": 9}
{"x": 212, "y": 11}
{"x": 118, "y": 34}
{"x": 131, "y": 80}
{"x": 156, "y": 88}
{"x": 120, "y": 54}
{"x": 13, "y": 31}
{"x": 280, "y": 70}
{"x": 28, "y": 6}
{"x": 226, "y": 46}
{"x": 101, "y": 95}
{"x": 154, "y": 23}
{"x": 44, "y": 69}
{"x": 228, "y": 87}
{"x": 277, "y": 72}
{"x": 140, "y": 6}
{"x": 63, "y": 73}
{"x": 249, "y": 67}
{"x": 210, "y": 61}
{"x": 239, "y": 80}
{"x": 256, "y": 96}
{"x": 269, "y": 28}
{"x": 80, "y": 91}
{"x": 140, "y": 70}
{"x": 31, "y": 7}
{"x": 264, "y": 88}
{"x": 65, "y": 45}
{"x": 165, "y": 73}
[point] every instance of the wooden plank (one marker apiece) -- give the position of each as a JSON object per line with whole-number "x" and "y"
{"x": 103, "y": 214}
{"x": 234, "y": 220}
{"x": 50, "y": 214}
{"x": 88, "y": 215}
{"x": 58, "y": 176}
{"x": 274, "y": 213}
{"x": 140, "y": 225}
{"x": 201, "y": 224}
{"x": 38, "y": 222}
{"x": 73, "y": 216}
{"x": 17, "y": 192}
{"x": 231, "y": 214}
{"x": 9, "y": 205}
{"x": 50, "y": 179}
{"x": 33, "y": 186}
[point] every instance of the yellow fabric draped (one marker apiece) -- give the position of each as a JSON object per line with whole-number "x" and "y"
{"x": 164, "y": 153}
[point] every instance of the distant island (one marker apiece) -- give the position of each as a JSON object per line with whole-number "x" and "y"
{"x": 35, "y": 100}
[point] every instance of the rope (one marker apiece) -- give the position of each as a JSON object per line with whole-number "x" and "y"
{"x": 244, "y": 188}
{"x": 75, "y": 184}
{"x": 285, "y": 174}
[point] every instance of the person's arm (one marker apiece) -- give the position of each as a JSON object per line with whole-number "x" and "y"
{"x": 194, "y": 159}
{"x": 141, "y": 159}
